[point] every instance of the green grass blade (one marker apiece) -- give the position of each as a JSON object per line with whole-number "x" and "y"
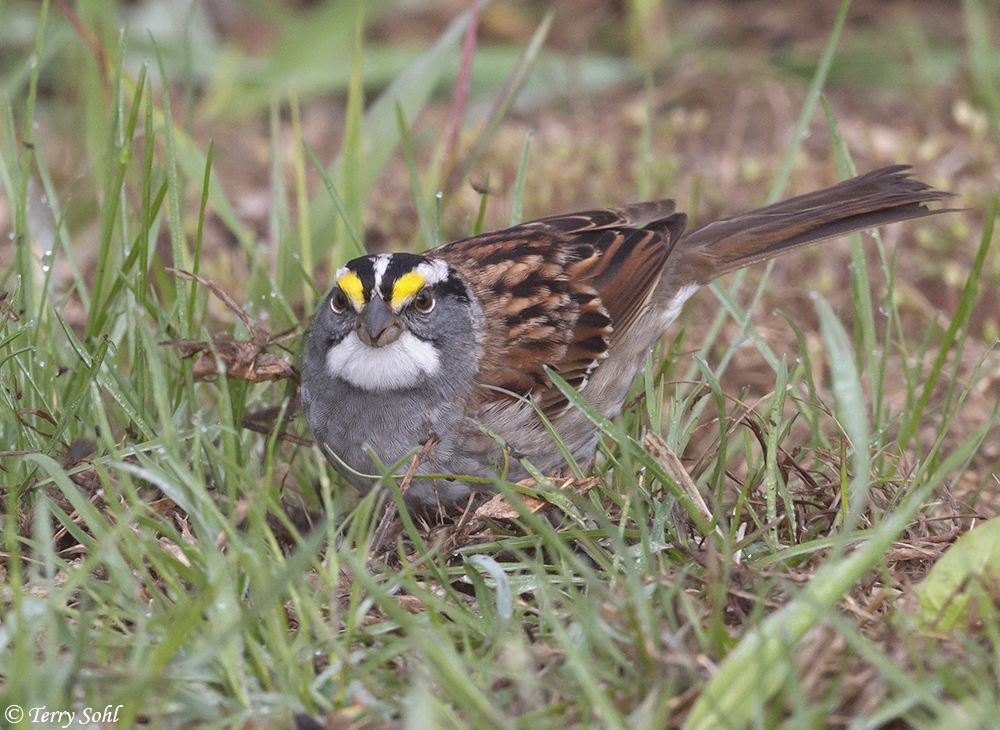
{"x": 852, "y": 414}
{"x": 411, "y": 88}
{"x": 506, "y": 97}
{"x": 196, "y": 259}
{"x": 812, "y": 98}
{"x": 359, "y": 246}
{"x": 175, "y": 204}
{"x": 415, "y": 188}
{"x": 517, "y": 206}
{"x": 956, "y": 330}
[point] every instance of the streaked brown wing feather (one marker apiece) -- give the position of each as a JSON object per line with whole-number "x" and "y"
{"x": 559, "y": 292}
{"x": 636, "y": 215}
{"x": 520, "y": 279}
{"x": 627, "y": 272}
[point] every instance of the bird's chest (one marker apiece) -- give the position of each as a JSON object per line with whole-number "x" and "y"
{"x": 389, "y": 425}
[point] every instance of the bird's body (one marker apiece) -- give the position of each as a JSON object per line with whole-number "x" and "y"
{"x": 452, "y": 344}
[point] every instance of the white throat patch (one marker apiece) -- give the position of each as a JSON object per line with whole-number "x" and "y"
{"x": 398, "y": 365}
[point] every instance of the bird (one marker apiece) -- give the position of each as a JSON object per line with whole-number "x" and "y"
{"x": 448, "y": 354}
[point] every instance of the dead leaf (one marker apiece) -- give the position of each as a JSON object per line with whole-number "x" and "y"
{"x": 499, "y": 508}
{"x": 6, "y": 310}
{"x": 671, "y": 464}
{"x": 246, "y": 360}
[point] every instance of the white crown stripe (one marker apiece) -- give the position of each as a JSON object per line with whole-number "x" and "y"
{"x": 381, "y": 263}
{"x": 434, "y": 271}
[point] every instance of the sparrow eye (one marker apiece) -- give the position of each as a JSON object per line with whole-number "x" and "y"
{"x": 423, "y": 302}
{"x": 338, "y": 302}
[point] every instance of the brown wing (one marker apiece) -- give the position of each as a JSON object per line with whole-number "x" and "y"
{"x": 560, "y": 292}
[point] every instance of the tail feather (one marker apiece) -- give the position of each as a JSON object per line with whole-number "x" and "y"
{"x": 888, "y": 195}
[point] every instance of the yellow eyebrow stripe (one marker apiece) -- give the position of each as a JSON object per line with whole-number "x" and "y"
{"x": 351, "y": 285}
{"x": 406, "y": 286}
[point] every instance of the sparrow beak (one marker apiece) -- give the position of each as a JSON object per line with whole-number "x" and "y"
{"x": 377, "y": 325}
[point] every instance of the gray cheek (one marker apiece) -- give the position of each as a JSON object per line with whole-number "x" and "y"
{"x": 326, "y": 330}
{"x": 453, "y": 332}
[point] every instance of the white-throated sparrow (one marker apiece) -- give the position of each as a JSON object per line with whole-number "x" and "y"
{"x": 405, "y": 348}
